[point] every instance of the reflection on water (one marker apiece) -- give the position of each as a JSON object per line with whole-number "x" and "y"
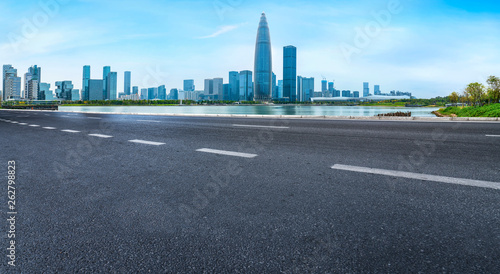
{"x": 257, "y": 110}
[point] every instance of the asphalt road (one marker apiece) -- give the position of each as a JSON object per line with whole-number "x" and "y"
{"x": 124, "y": 193}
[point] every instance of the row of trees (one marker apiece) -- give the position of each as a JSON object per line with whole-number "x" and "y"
{"x": 477, "y": 94}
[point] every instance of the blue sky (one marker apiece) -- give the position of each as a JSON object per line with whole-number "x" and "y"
{"x": 430, "y": 48}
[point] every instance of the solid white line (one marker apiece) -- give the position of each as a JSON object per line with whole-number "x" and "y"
{"x": 492, "y": 135}
{"x": 101, "y": 135}
{"x": 418, "y": 176}
{"x": 49, "y": 128}
{"x": 228, "y": 153}
{"x": 151, "y": 121}
{"x": 146, "y": 142}
{"x": 96, "y": 118}
{"x": 70, "y": 131}
{"x": 256, "y": 126}
{"x": 34, "y": 125}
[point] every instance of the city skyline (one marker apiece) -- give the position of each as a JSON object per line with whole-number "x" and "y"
{"x": 457, "y": 42}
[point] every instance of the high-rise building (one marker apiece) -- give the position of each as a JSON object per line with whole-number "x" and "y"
{"x": 290, "y": 73}
{"x": 45, "y": 92}
{"x": 85, "y": 83}
{"x": 246, "y": 86}
{"x": 324, "y": 88}
{"x": 234, "y": 85}
{"x": 111, "y": 86}
{"x": 366, "y": 89}
{"x": 105, "y": 73}
{"x": 95, "y": 91}
{"x": 280, "y": 89}
{"x": 376, "y": 90}
{"x": 189, "y": 85}
{"x": 218, "y": 88}
{"x": 64, "y": 90}
{"x": 305, "y": 88}
{"x": 346, "y": 93}
{"x": 227, "y": 92}
{"x": 274, "y": 87}
{"x": 152, "y": 93}
{"x": 33, "y": 89}
{"x": 127, "y": 82}
{"x": 355, "y": 94}
{"x": 174, "y": 94}
{"x": 135, "y": 90}
{"x": 144, "y": 94}
{"x": 263, "y": 62}
{"x": 209, "y": 87}
{"x": 331, "y": 89}
{"x": 11, "y": 83}
{"x": 75, "y": 95}
{"x": 162, "y": 92}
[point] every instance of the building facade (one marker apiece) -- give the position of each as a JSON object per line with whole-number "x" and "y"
{"x": 263, "y": 66}
{"x": 290, "y": 73}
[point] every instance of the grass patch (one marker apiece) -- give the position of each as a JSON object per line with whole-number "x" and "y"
{"x": 484, "y": 111}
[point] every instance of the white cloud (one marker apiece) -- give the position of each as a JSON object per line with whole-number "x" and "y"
{"x": 221, "y": 30}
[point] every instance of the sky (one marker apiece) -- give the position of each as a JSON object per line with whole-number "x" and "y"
{"x": 429, "y": 47}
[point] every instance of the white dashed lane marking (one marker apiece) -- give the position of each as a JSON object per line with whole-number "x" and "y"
{"x": 34, "y": 125}
{"x": 70, "y": 131}
{"x": 150, "y": 121}
{"x": 101, "y": 135}
{"x": 257, "y": 126}
{"x": 419, "y": 176}
{"x": 49, "y": 128}
{"x": 146, "y": 142}
{"x": 95, "y": 118}
{"x": 492, "y": 135}
{"x": 227, "y": 153}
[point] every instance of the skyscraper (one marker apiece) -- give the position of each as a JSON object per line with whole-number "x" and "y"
{"x": 105, "y": 72}
{"x": 376, "y": 90}
{"x": 324, "y": 88}
{"x": 189, "y": 85}
{"x": 64, "y": 90}
{"x": 135, "y": 90}
{"x": 234, "y": 85}
{"x": 162, "y": 92}
{"x": 85, "y": 83}
{"x": 209, "y": 87}
{"x": 246, "y": 86}
{"x": 218, "y": 88}
{"x": 127, "y": 82}
{"x": 11, "y": 83}
{"x": 290, "y": 73}
{"x": 366, "y": 89}
{"x": 95, "y": 91}
{"x": 263, "y": 62}
{"x": 111, "y": 86}
{"x": 305, "y": 88}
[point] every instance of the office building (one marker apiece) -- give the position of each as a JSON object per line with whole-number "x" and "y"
{"x": 209, "y": 87}
{"x": 290, "y": 73}
{"x": 246, "y": 86}
{"x": 162, "y": 92}
{"x": 305, "y": 88}
{"x": 85, "y": 83}
{"x": 135, "y": 90}
{"x": 127, "y": 82}
{"x": 45, "y": 93}
{"x": 105, "y": 73}
{"x": 189, "y": 85}
{"x": 346, "y": 93}
{"x": 144, "y": 94}
{"x": 95, "y": 90}
{"x": 280, "y": 89}
{"x": 263, "y": 62}
{"x": 75, "y": 95}
{"x": 234, "y": 85}
{"x": 218, "y": 88}
{"x": 376, "y": 90}
{"x": 174, "y": 94}
{"x": 31, "y": 89}
{"x": 227, "y": 92}
{"x": 324, "y": 88}
{"x": 355, "y": 94}
{"x": 64, "y": 90}
{"x": 11, "y": 84}
{"x": 111, "y": 86}
{"x": 152, "y": 93}
{"x": 366, "y": 89}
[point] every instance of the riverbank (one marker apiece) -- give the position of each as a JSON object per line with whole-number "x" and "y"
{"x": 483, "y": 111}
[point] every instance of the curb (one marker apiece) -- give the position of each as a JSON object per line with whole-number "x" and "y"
{"x": 309, "y": 117}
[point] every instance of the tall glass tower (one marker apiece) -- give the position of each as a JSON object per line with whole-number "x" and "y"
{"x": 290, "y": 73}
{"x": 263, "y": 63}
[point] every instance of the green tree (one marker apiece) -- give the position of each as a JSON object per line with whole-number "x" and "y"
{"x": 454, "y": 97}
{"x": 476, "y": 93}
{"x": 494, "y": 89}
